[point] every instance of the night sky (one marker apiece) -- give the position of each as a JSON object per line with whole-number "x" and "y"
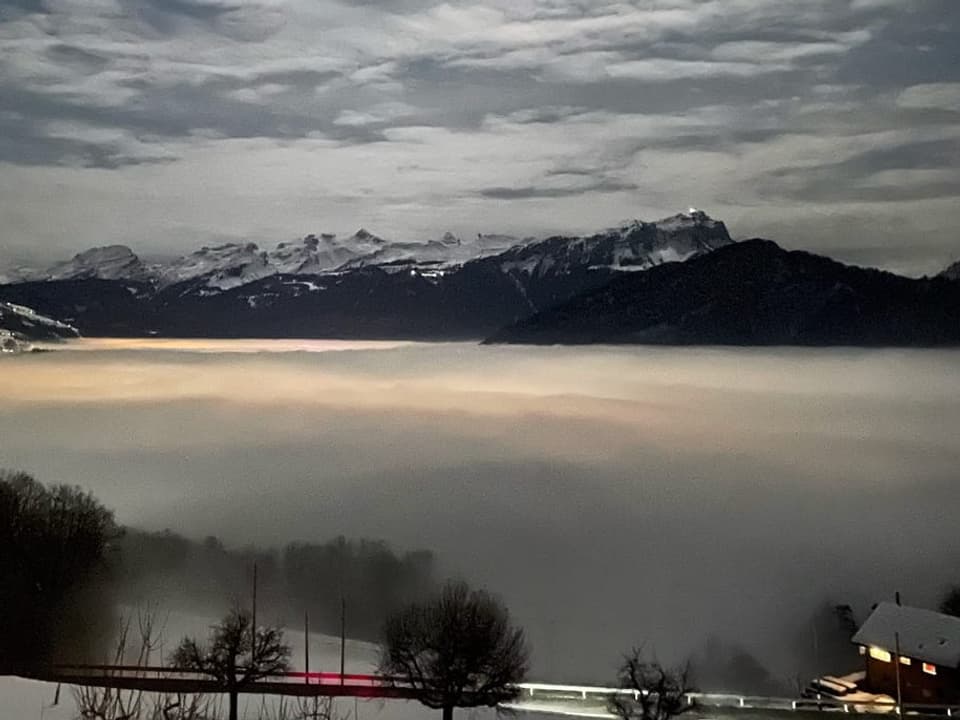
{"x": 830, "y": 125}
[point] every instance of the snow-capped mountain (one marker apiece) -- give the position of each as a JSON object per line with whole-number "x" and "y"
{"x": 19, "y": 325}
{"x": 17, "y": 274}
{"x": 113, "y": 262}
{"x": 952, "y": 272}
{"x": 359, "y": 285}
{"x": 634, "y": 245}
{"x": 434, "y": 256}
{"x": 230, "y": 265}
{"x": 221, "y": 267}
{"x": 313, "y": 255}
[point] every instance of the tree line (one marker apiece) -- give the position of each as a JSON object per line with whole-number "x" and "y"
{"x": 65, "y": 564}
{"x": 366, "y": 575}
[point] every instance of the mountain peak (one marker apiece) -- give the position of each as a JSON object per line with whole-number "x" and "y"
{"x": 110, "y": 262}
{"x": 364, "y": 235}
{"x": 692, "y": 216}
{"x": 226, "y": 266}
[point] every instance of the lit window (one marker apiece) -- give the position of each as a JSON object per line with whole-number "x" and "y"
{"x": 880, "y": 654}
{"x": 904, "y": 660}
{"x": 929, "y": 669}
{"x": 863, "y": 650}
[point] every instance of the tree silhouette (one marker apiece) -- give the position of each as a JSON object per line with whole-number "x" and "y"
{"x": 53, "y": 542}
{"x": 456, "y": 649}
{"x": 657, "y": 693}
{"x": 232, "y": 657}
{"x": 950, "y": 604}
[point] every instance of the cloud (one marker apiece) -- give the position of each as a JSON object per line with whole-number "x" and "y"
{"x": 422, "y": 114}
{"x": 688, "y": 458}
{"x": 376, "y": 114}
{"x": 890, "y": 171}
{"x": 523, "y": 193}
{"x": 938, "y": 96}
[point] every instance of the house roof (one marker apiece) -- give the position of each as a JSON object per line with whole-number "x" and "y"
{"x": 924, "y": 635}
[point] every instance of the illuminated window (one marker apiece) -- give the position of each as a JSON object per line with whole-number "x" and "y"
{"x": 904, "y": 660}
{"x": 929, "y": 669}
{"x": 880, "y": 654}
{"x": 863, "y": 650}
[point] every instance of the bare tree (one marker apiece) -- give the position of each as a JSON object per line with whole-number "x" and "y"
{"x": 300, "y": 708}
{"x": 235, "y": 655}
{"x": 135, "y": 647}
{"x": 457, "y": 649}
{"x": 656, "y": 693}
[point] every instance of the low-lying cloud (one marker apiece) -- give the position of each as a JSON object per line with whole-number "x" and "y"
{"x": 610, "y": 495}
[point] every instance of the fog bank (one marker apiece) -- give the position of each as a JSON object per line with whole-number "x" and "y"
{"x": 609, "y": 495}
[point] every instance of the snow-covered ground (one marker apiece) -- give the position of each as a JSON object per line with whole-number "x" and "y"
{"x": 29, "y": 700}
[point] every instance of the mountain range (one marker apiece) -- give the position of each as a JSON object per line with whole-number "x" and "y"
{"x": 230, "y": 265}
{"x": 362, "y": 286}
{"x": 679, "y": 280}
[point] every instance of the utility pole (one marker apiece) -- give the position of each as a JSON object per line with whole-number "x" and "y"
{"x": 896, "y": 659}
{"x": 253, "y": 618}
{"x": 343, "y": 635}
{"x": 306, "y": 647}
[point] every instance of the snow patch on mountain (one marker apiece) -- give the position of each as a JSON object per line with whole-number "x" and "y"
{"x": 19, "y": 325}
{"x": 222, "y": 267}
{"x": 434, "y": 256}
{"x": 13, "y": 274}
{"x": 112, "y": 262}
{"x": 632, "y": 246}
{"x": 313, "y": 255}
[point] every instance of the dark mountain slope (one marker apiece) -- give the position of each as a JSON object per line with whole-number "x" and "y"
{"x": 753, "y": 293}
{"x": 19, "y": 323}
{"x": 94, "y": 307}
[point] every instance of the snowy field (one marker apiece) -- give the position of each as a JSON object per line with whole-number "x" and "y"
{"x": 29, "y": 700}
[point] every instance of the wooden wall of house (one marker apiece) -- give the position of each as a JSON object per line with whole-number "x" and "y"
{"x": 916, "y": 685}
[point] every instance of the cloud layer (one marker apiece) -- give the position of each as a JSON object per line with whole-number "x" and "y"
{"x": 828, "y": 124}
{"x": 613, "y": 495}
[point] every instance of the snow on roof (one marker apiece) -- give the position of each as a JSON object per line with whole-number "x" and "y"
{"x": 924, "y": 635}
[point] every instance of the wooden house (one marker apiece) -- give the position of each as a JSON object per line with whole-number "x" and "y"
{"x": 929, "y": 654}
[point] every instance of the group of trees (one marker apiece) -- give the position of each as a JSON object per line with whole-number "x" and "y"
{"x": 368, "y": 574}
{"x": 950, "y": 603}
{"x": 54, "y": 546}
{"x": 373, "y": 580}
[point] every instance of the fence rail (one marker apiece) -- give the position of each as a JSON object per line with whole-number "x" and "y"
{"x": 582, "y": 693}
{"x": 532, "y": 697}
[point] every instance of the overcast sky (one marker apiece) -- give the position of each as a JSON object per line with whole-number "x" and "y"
{"x": 166, "y": 124}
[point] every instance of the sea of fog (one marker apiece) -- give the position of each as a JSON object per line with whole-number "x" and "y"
{"x": 609, "y": 495}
